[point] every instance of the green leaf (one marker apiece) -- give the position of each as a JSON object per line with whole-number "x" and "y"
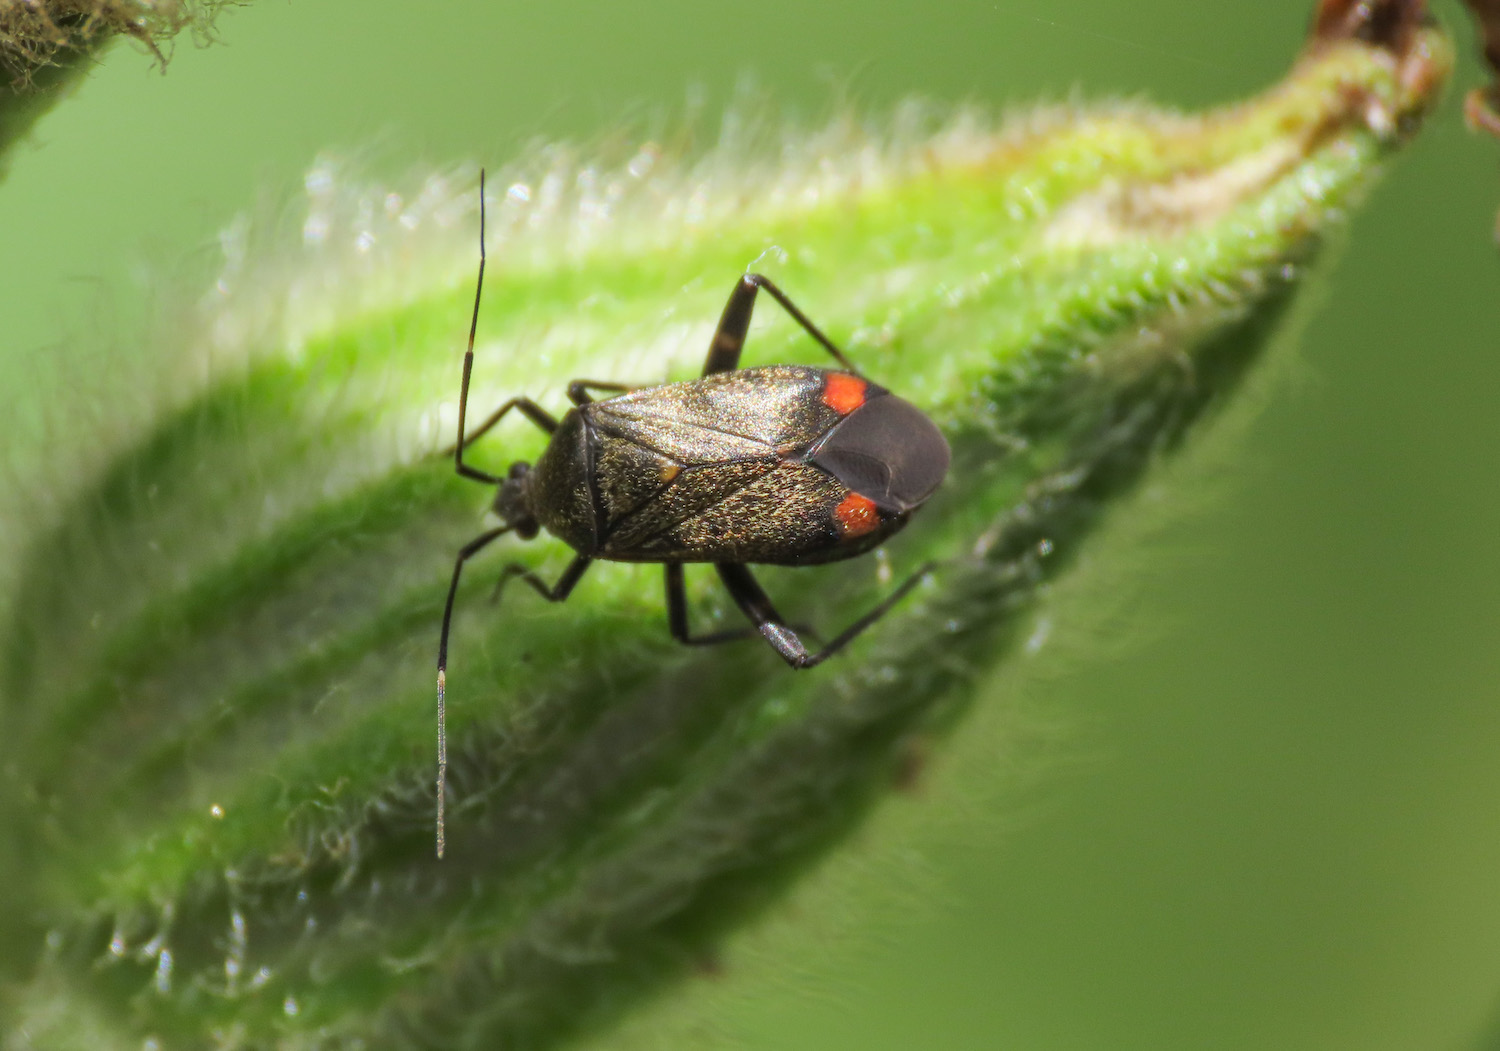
{"x": 217, "y": 671}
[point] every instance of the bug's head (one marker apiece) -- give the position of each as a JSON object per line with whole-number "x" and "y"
{"x": 513, "y": 501}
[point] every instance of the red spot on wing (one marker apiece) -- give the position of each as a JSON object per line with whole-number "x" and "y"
{"x": 843, "y": 393}
{"x": 856, "y": 515}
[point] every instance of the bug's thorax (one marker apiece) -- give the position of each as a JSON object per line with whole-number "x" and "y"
{"x": 559, "y": 490}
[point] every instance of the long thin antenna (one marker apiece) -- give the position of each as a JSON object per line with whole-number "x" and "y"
{"x": 458, "y": 452}
{"x": 463, "y": 391}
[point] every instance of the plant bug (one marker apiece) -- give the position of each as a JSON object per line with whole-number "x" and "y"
{"x": 783, "y": 465}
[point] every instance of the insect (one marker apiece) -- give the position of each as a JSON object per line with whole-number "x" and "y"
{"x": 785, "y": 465}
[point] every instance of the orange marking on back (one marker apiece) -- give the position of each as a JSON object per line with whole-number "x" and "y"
{"x": 856, "y": 515}
{"x": 843, "y": 393}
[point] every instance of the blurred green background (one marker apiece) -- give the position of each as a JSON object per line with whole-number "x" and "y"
{"x": 1255, "y": 796}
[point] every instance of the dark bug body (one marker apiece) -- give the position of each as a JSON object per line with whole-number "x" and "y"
{"x": 786, "y": 464}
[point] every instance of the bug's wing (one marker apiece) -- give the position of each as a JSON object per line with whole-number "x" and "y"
{"x": 711, "y": 471}
{"x": 725, "y": 431}
{"x": 728, "y": 416}
{"x": 627, "y": 476}
{"x": 750, "y": 511}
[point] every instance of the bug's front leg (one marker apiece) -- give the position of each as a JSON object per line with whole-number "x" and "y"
{"x": 530, "y": 409}
{"x": 551, "y": 592}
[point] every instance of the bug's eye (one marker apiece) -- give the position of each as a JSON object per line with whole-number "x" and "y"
{"x": 886, "y": 450}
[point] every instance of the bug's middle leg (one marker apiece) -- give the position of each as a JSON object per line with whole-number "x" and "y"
{"x": 755, "y": 604}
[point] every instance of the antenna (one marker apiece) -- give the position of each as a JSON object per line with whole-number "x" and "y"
{"x": 442, "y": 677}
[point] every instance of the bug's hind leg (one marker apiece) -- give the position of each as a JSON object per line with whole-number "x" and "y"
{"x": 677, "y": 617}
{"x": 729, "y": 337}
{"x": 754, "y": 603}
{"x": 551, "y": 592}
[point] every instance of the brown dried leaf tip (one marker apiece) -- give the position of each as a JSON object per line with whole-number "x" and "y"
{"x": 1393, "y": 26}
{"x": 1482, "y": 105}
{"x": 35, "y": 34}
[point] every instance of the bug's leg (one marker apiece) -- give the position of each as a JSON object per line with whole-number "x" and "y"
{"x": 468, "y": 551}
{"x": 532, "y": 411}
{"x": 753, "y": 602}
{"x": 677, "y": 615}
{"x": 552, "y": 593}
{"x": 729, "y": 337}
{"x": 578, "y": 390}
